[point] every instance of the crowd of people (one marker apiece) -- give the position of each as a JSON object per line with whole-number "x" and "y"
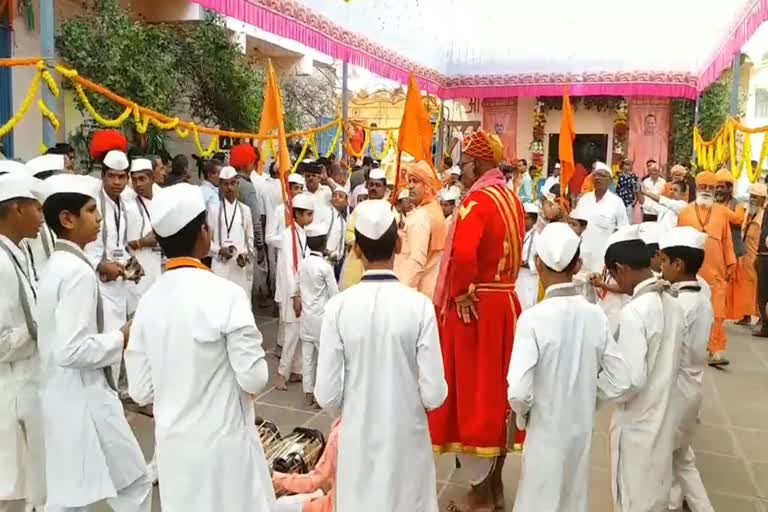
{"x": 465, "y": 310}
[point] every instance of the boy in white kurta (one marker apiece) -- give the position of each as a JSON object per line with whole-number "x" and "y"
{"x": 645, "y": 420}
{"x": 317, "y": 284}
{"x": 40, "y": 249}
{"x": 293, "y": 250}
{"x": 22, "y": 462}
{"x": 578, "y": 219}
{"x": 380, "y": 363}
{"x": 527, "y": 285}
{"x": 91, "y": 452}
{"x": 562, "y": 344}
{"x": 682, "y": 253}
{"x": 199, "y": 361}
{"x": 232, "y": 234}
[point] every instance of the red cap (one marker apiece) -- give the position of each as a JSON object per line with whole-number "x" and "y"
{"x": 242, "y": 155}
{"x": 104, "y": 141}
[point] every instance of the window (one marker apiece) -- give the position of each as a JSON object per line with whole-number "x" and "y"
{"x": 761, "y": 103}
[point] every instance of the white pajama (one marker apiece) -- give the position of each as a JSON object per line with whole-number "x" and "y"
{"x": 137, "y": 497}
{"x": 290, "y": 359}
{"x": 309, "y": 366}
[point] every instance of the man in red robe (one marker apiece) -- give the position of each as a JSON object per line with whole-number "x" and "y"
{"x": 477, "y": 309}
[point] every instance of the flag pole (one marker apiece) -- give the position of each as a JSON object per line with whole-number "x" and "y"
{"x": 396, "y": 191}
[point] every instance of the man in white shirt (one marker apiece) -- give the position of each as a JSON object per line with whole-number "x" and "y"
{"x": 527, "y": 285}
{"x": 314, "y": 175}
{"x": 293, "y": 250}
{"x": 140, "y": 235}
{"x": 91, "y": 452}
{"x": 666, "y": 209}
{"x": 22, "y": 460}
{"x": 561, "y": 346}
{"x": 655, "y": 184}
{"x": 606, "y": 214}
{"x": 276, "y": 225}
{"x": 553, "y": 179}
{"x": 199, "y": 362}
{"x": 317, "y": 284}
{"x": 232, "y": 234}
{"x": 682, "y": 253}
{"x": 379, "y": 345}
{"x": 646, "y": 417}
{"x": 109, "y": 251}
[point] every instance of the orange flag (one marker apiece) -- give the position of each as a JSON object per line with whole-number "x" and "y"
{"x": 272, "y": 123}
{"x": 567, "y": 134}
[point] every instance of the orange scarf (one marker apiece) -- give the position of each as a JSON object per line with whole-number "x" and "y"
{"x": 184, "y": 262}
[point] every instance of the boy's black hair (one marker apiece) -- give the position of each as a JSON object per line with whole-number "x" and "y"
{"x": 532, "y": 214}
{"x": 555, "y": 190}
{"x": 44, "y": 175}
{"x": 182, "y": 243}
{"x": 691, "y": 257}
{"x": 632, "y": 253}
{"x": 297, "y": 211}
{"x": 582, "y": 223}
{"x": 571, "y": 265}
{"x": 209, "y": 166}
{"x": 381, "y": 249}
{"x": 316, "y": 243}
{"x": 57, "y": 203}
{"x": 62, "y": 148}
{"x": 179, "y": 165}
{"x": 367, "y": 161}
{"x": 652, "y": 249}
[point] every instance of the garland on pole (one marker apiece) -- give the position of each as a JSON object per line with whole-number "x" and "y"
{"x": 722, "y": 148}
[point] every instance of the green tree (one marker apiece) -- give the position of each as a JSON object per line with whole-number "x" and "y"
{"x": 714, "y": 106}
{"x": 681, "y": 131}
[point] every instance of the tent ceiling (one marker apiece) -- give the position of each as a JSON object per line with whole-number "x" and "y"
{"x": 515, "y": 47}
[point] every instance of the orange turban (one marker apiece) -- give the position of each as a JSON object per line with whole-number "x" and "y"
{"x": 706, "y": 179}
{"x": 724, "y": 176}
{"x": 484, "y": 146}
{"x": 423, "y": 172}
{"x": 104, "y": 141}
{"x": 241, "y": 156}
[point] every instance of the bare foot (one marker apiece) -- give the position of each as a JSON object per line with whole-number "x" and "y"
{"x": 295, "y": 377}
{"x": 470, "y": 503}
{"x": 281, "y": 384}
{"x": 309, "y": 399}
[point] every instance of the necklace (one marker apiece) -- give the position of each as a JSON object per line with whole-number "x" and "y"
{"x": 704, "y": 222}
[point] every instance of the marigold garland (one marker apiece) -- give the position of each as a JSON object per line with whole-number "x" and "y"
{"x": 28, "y": 99}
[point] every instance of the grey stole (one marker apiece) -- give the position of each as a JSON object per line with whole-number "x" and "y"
{"x": 26, "y": 308}
{"x": 59, "y": 246}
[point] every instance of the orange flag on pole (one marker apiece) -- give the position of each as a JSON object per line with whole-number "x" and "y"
{"x": 272, "y": 124}
{"x": 415, "y": 136}
{"x": 567, "y": 134}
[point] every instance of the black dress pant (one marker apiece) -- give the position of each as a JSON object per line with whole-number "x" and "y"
{"x": 762, "y": 289}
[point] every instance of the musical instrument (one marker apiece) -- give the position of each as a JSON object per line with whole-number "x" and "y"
{"x": 133, "y": 270}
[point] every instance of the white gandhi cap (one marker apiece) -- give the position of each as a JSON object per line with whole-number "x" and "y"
{"x": 624, "y": 234}
{"x": 227, "y": 173}
{"x": 580, "y": 213}
{"x": 303, "y": 202}
{"x": 316, "y": 229}
{"x": 530, "y": 208}
{"x": 650, "y": 232}
{"x": 12, "y": 166}
{"x": 685, "y": 236}
{"x": 296, "y": 179}
{"x": 46, "y": 163}
{"x": 116, "y": 160}
{"x": 404, "y": 194}
{"x": 71, "y": 184}
{"x": 377, "y": 174}
{"x": 141, "y": 165}
{"x": 449, "y": 194}
{"x": 602, "y": 168}
{"x": 556, "y": 245}
{"x": 17, "y": 186}
{"x": 374, "y": 218}
{"x": 174, "y": 207}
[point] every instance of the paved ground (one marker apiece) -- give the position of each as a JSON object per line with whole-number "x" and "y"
{"x": 731, "y": 444}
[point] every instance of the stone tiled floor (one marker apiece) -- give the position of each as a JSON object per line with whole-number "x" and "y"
{"x": 731, "y": 443}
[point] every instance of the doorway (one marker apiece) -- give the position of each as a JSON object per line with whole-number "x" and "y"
{"x": 588, "y": 148}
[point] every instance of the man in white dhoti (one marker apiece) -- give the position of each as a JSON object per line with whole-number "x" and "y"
{"x": 562, "y": 344}
{"x": 91, "y": 453}
{"x": 22, "y": 461}
{"x": 682, "y": 253}
{"x": 527, "y": 285}
{"x": 380, "y": 363}
{"x": 231, "y": 224}
{"x": 140, "y": 235}
{"x": 198, "y": 361}
{"x": 606, "y": 214}
{"x": 293, "y": 250}
{"x": 645, "y": 420}
{"x": 109, "y": 252}
{"x": 40, "y": 249}
{"x": 317, "y": 285}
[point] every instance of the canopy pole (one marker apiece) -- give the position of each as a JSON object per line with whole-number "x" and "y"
{"x": 440, "y": 134}
{"x": 345, "y": 108}
{"x": 48, "y": 52}
{"x": 735, "y": 86}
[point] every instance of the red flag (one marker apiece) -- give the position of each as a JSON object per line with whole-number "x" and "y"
{"x": 567, "y": 134}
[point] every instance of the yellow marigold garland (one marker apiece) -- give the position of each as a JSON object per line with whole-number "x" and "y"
{"x": 335, "y": 141}
{"x": 212, "y": 147}
{"x": 28, "y": 99}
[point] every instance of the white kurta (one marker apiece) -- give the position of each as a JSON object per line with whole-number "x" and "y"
{"x": 39, "y": 249}
{"x": 666, "y": 211}
{"x": 379, "y": 345}
{"x": 114, "y": 229}
{"x": 287, "y": 284}
{"x": 654, "y": 187}
{"x": 232, "y": 225}
{"x": 317, "y": 285}
{"x": 699, "y": 318}
{"x": 198, "y": 360}
{"x": 150, "y": 258}
{"x": 561, "y": 345}
{"x": 322, "y": 204}
{"x": 527, "y": 285}
{"x": 90, "y": 448}
{"x": 605, "y": 216}
{"x": 645, "y": 420}
{"x": 335, "y": 243}
{"x": 275, "y": 227}
{"x": 22, "y": 461}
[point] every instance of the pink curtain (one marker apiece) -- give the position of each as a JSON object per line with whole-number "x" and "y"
{"x": 648, "y": 131}
{"x": 500, "y": 117}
